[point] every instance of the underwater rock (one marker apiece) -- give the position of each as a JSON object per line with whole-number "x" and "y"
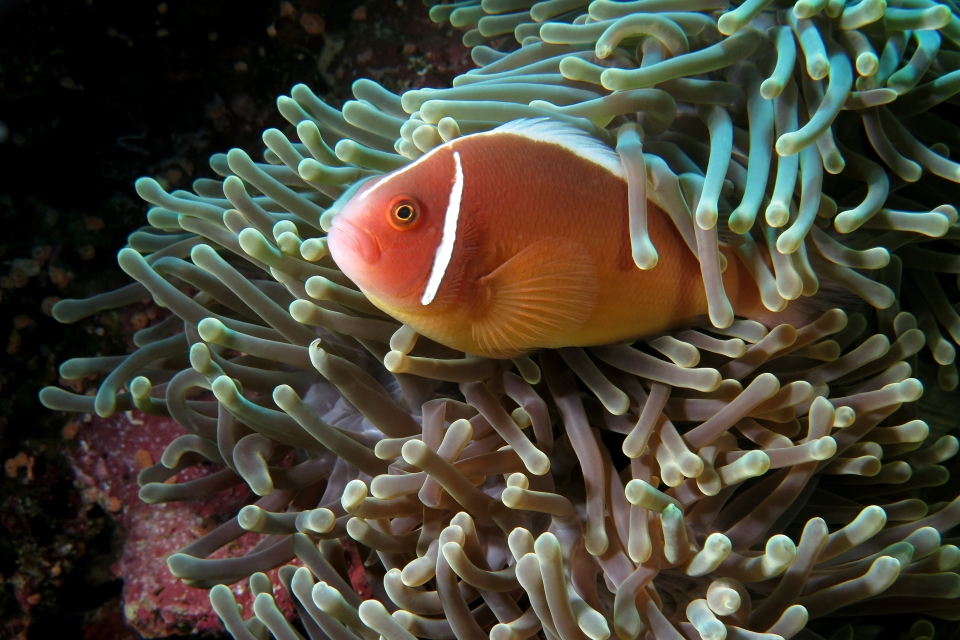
{"x": 107, "y": 456}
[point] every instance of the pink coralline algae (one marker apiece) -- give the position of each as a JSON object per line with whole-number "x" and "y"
{"x": 107, "y": 456}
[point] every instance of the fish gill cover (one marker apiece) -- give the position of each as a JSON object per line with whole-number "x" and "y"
{"x": 724, "y": 480}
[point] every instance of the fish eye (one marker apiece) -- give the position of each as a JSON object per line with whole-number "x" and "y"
{"x": 403, "y": 214}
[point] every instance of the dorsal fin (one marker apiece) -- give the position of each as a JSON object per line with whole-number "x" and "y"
{"x": 559, "y": 133}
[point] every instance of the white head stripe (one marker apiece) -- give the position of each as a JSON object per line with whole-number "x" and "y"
{"x": 445, "y": 249}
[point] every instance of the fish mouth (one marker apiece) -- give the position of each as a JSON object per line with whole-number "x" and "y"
{"x": 352, "y": 239}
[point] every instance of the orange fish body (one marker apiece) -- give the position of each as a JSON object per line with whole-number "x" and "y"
{"x": 517, "y": 239}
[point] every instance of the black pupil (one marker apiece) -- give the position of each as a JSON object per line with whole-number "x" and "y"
{"x": 405, "y": 212}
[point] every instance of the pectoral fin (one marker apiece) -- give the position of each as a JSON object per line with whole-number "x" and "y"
{"x": 538, "y": 298}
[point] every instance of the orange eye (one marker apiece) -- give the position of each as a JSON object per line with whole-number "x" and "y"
{"x": 404, "y": 214}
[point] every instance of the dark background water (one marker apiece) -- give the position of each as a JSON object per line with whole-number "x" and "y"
{"x": 94, "y": 94}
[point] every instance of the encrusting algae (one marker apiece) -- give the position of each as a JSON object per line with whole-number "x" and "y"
{"x": 766, "y": 477}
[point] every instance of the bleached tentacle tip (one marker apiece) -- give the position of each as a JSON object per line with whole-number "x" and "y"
{"x": 326, "y": 219}
{"x": 791, "y": 240}
{"x": 644, "y": 494}
{"x": 140, "y": 388}
{"x": 722, "y": 598}
{"x": 754, "y": 463}
{"x": 543, "y": 104}
{"x": 448, "y": 128}
{"x": 353, "y": 495}
{"x": 512, "y": 496}
{"x": 691, "y": 465}
{"x": 707, "y": 215}
{"x": 310, "y": 170}
{"x": 521, "y": 417}
{"x": 704, "y": 621}
{"x": 253, "y": 242}
{"x": 414, "y": 452}
{"x": 949, "y": 211}
{"x": 316, "y": 521}
{"x": 396, "y": 362}
{"x": 224, "y": 602}
{"x": 251, "y": 517}
{"x": 645, "y": 255}
{"x": 314, "y": 249}
{"x": 909, "y": 390}
{"x": 318, "y": 287}
{"x": 373, "y": 614}
{"x": 706, "y": 380}
{"x": 593, "y": 625}
{"x": 301, "y": 311}
{"x": 719, "y": 544}
{"x": 282, "y": 227}
{"x": 225, "y": 390}
{"x": 501, "y": 631}
{"x": 130, "y": 260}
{"x": 527, "y": 369}
{"x": 150, "y": 190}
{"x": 318, "y": 356}
{"x": 881, "y": 574}
{"x": 404, "y": 339}
{"x": 596, "y": 542}
{"x": 823, "y": 448}
{"x": 721, "y": 313}
{"x": 716, "y": 549}
{"x": 536, "y": 462}
{"x": 789, "y": 144}
{"x": 603, "y": 50}
{"x": 518, "y": 480}
{"x": 618, "y": 404}
{"x": 736, "y": 348}
{"x": 729, "y": 23}
{"x": 844, "y": 417}
{"x": 867, "y": 64}
{"x": 771, "y": 88}
{"x": 286, "y": 398}
{"x": 419, "y": 571}
{"x": 777, "y": 215}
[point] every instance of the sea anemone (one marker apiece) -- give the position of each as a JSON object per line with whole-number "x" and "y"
{"x": 721, "y": 480}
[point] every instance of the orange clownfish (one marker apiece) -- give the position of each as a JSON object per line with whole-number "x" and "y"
{"x": 504, "y": 242}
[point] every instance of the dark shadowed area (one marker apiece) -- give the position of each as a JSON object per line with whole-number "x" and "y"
{"x": 94, "y": 94}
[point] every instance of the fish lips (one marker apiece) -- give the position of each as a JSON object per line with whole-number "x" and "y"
{"x": 346, "y": 239}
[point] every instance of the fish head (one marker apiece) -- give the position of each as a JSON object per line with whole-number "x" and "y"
{"x": 386, "y": 236}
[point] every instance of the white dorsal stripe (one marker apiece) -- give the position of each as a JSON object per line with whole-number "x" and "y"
{"x": 399, "y": 172}
{"x": 576, "y": 141}
{"x": 449, "y": 236}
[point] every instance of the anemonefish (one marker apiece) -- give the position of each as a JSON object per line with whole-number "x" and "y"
{"x": 508, "y": 241}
